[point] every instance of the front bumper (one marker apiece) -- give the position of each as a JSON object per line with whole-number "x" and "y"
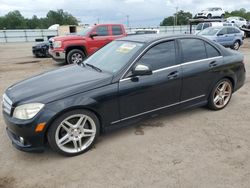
{"x": 22, "y": 134}
{"x": 58, "y": 56}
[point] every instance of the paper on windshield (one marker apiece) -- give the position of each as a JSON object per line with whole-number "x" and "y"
{"x": 126, "y": 48}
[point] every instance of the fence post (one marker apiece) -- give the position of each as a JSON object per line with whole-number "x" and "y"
{"x": 25, "y": 35}
{"x": 5, "y": 36}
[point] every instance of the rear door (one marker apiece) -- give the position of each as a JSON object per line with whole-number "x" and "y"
{"x": 157, "y": 91}
{"x": 199, "y": 63}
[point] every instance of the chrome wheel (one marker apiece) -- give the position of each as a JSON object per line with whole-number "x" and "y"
{"x": 236, "y": 45}
{"x": 76, "y": 58}
{"x": 222, "y": 94}
{"x": 75, "y": 133}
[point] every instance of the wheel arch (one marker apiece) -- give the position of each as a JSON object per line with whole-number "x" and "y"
{"x": 57, "y": 115}
{"x": 72, "y": 47}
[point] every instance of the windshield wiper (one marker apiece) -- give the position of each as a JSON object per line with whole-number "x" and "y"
{"x": 94, "y": 67}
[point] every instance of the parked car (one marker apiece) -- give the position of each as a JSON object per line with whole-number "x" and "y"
{"x": 147, "y": 31}
{"x": 239, "y": 21}
{"x": 41, "y": 49}
{"x": 227, "y": 36}
{"x": 75, "y": 48}
{"x": 127, "y": 80}
{"x": 204, "y": 25}
{"x": 211, "y": 13}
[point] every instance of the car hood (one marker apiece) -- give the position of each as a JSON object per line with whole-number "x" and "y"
{"x": 57, "y": 84}
{"x": 69, "y": 37}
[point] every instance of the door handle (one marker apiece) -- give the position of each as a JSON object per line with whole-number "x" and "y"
{"x": 173, "y": 75}
{"x": 213, "y": 64}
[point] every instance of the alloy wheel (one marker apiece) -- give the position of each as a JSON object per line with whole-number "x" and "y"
{"x": 75, "y": 133}
{"x": 76, "y": 58}
{"x": 236, "y": 45}
{"x": 222, "y": 94}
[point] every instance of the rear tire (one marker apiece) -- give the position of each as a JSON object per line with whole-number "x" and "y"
{"x": 236, "y": 45}
{"x": 75, "y": 56}
{"x": 220, "y": 95}
{"x": 74, "y": 132}
{"x": 209, "y": 16}
{"x": 222, "y": 16}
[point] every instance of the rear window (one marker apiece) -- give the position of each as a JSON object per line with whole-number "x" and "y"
{"x": 116, "y": 30}
{"x": 193, "y": 49}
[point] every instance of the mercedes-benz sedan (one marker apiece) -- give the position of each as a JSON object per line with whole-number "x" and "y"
{"x": 128, "y": 79}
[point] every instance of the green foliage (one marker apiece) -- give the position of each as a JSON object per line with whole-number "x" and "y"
{"x": 15, "y": 20}
{"x": 182, "y": 19}
{"x": 241, "y": 13}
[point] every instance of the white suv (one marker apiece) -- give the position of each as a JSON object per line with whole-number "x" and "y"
{"x": 239, "y": 21}
{"x": 211, "y": 12}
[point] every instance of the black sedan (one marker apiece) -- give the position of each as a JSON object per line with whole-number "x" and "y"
{"x": 41, "y": 49}
{"x": 127, "y": 80}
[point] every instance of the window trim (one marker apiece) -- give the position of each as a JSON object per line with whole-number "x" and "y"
{"x": 124, "y": 76}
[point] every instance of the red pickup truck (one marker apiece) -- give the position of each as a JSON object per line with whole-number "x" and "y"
{"x": 75, "y": 48}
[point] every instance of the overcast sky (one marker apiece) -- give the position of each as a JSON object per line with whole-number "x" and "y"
{"x": 141, "y": 12}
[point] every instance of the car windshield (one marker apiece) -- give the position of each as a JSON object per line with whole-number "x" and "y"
{"x": 209, "y": 31}
{"x": 209, "y": 9}
{"x": 85, "y": 31}
{"x": 114, "y": 56}
{"x": 199, "y": 26}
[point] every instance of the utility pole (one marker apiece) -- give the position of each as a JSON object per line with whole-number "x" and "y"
{"x": 98, "y": 20}
{"x": 127, "y": 20}
{"x": 176, "y": 17}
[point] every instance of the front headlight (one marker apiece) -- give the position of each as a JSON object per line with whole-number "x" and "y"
{"x": 57, "y": 44}
{"x": 27, "y": 111}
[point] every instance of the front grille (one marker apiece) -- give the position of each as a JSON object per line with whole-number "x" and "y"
{"x": 7, "y": 104}
{"x": 51, "y": 44}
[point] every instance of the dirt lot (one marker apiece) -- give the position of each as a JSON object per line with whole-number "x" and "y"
{"x": 195, "y": 148}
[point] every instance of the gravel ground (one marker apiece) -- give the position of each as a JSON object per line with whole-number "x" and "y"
{"x": 193, "y": 148}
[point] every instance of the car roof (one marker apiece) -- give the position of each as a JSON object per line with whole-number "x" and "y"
{"x": 148, "y": 38}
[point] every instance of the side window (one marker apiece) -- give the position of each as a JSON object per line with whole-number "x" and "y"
{"x": 230, "y": 30}
{"x": 116, "y": 30}
{"x": 160, "y": 56}
{"x": 102, "y": 31}
{"x": 211, "y": 51}
{"x": 193, "y": 49}
{"x": 223, "y": 31}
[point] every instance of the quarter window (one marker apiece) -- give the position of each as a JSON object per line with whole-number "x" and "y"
{"x": 102, "y": 31}
{"x": 160, "y": 56}
{"x": 211, "y": 51}
{"x": 193, "y": 49}
{"x": 116, "y": 30}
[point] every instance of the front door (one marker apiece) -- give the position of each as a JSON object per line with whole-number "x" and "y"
{"x": 150, "y": 93}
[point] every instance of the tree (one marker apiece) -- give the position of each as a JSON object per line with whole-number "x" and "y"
{"x": 182, "y": 19}
{"x": 15, "y": 20}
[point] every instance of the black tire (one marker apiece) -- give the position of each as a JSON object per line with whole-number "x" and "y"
{"x": 222, "y": 16}
{"x": 211, "y": 99}
{"x": 51, "y": 134}
{"x": 78, "y": 53}
{"x": 236, "y": 45}
{"x": 209, "y": 16}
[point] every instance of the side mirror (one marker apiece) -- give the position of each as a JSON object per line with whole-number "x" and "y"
{"x": 92, "y": 35}
{"x": 141, "y": 70}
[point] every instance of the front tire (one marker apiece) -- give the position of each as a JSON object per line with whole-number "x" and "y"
{"x": 75, "y": 56}
{"x": 74, "y": 132}
{"x": 209, "y": 16}
{"x": 220, "y": 95}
